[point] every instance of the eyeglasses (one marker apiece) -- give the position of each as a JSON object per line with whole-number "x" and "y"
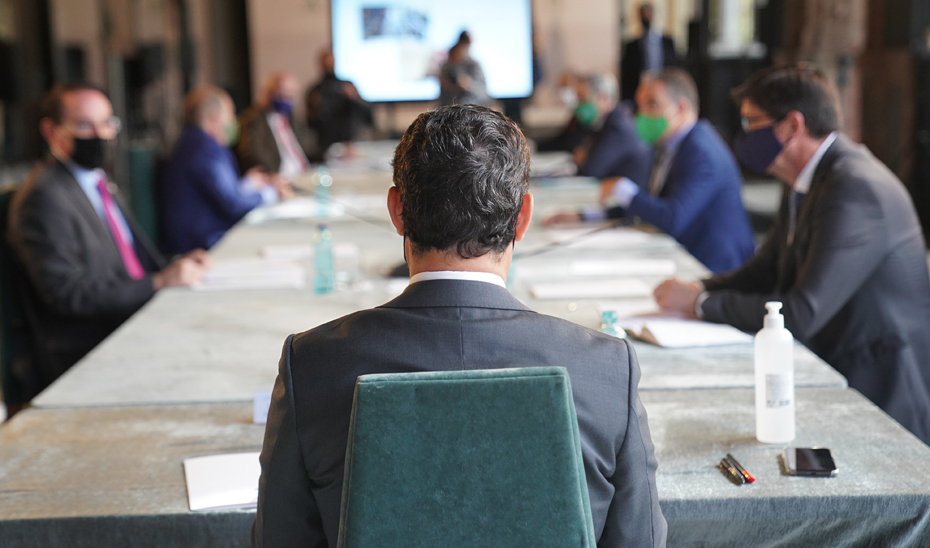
{"x": 106, "y": 129}
{"x": 758, "y": 122}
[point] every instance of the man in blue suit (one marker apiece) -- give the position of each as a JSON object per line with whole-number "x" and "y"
{"x": 693, "y": 189}
{"x": 202, "y": 193}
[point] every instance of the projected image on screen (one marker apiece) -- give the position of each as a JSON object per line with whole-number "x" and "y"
{"x": 392, "y": 51}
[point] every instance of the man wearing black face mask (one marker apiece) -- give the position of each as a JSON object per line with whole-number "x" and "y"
{"x": 87, "y": 265}
{"x": 845, "y": 255}
{"x": 650, "y": 52}
{"x": 267, "y": 137}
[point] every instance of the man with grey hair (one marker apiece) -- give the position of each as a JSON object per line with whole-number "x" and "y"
{"x": 693, "y": 189}
{"x": 202, "y": 193}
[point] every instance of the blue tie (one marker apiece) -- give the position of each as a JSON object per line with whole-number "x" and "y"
{"x": 796, "y": 199}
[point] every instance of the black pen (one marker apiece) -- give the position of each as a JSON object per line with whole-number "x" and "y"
{"x": 739, "y": 468}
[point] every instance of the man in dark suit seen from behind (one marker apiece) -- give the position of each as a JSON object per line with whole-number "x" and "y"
{"x": 202, "y": 193}
{"x": 846, "y": 255}
{"x": 650, "y": 52}
{"x": 693, "y": 192}
{"x": 88, "y": 265}
{"x": 461, "y": 202}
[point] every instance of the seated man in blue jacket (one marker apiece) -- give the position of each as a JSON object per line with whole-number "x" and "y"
{"x": 693, "y": 189}
{"x": 617, "y": 150}
{"x": 203, "y": 195}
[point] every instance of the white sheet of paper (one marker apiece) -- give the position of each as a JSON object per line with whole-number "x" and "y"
{"x": 253, "y": 274}
{"x": 606, "y": 239}
{"x": 682, "y": 333}
{"x": 286, "y": 252}
{"x": 623, "y": 267}
{"x": 260, "y": 406}
{"x": 222, "y": 481}
{"x": 632, "y": 307}
{"x": 605, "y": 289}
{"x": 302, "y": 207}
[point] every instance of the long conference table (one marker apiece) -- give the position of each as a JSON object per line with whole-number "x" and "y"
{"x": 97, "y": 461}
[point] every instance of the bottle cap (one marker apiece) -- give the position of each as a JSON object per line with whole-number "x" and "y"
{"x": 774, "y": 317}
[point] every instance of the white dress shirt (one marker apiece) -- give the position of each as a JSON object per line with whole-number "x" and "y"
{"x": 293, "y": 160}
{"x": 486, "y": 277}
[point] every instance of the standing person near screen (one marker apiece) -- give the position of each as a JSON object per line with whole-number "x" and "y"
{"x": 846, "y": 255}
{"x": 461, "y": 79}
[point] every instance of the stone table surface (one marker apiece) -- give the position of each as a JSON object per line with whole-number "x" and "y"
{"x": 189, "y": 346}
{"x": 110, "y": 476}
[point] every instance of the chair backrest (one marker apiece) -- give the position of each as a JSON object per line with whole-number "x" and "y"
{"x": 465, "y": 459}
{"x": 16, "y": 376}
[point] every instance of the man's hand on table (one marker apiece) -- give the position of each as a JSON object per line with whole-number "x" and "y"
{"x": 676, "y": 295}
{"x": 186, "y": 270}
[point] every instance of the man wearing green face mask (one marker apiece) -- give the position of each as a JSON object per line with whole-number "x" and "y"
{"x": 693, "y": 191}
{"x": 202, "y": 193}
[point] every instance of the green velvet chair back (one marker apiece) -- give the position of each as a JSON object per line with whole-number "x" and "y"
{"x": 465, "y": 459}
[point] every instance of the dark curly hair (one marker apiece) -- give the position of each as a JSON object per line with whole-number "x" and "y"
{"x": 461, "y": 172}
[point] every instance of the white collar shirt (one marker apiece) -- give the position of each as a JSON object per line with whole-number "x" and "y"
{"x": 486, "y": 277}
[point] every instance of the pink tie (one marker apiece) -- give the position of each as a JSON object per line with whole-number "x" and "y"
{"x": 130, "y": 259}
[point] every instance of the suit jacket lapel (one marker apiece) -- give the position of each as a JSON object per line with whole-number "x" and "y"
{"x": 81, "y": 202}
{"x": 797, "y": 253}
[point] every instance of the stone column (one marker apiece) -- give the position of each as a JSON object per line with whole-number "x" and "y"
{"x": 832, "y": 35}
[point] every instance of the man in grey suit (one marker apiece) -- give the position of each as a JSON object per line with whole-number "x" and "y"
{"x": 87, "y": 264}
{"x": 845, "y": 255}
{"x": 461, "y": 202}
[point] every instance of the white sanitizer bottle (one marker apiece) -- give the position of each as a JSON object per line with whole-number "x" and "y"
{"x": 774, "y": 357}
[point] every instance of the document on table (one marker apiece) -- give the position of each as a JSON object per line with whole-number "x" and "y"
{"x": 604, "y": 289}
{"x": 612, "y": 238}
{"x": 286, "y": 252}
{"x": 302, "y": 207}
{"x": 222, "y": 481}
{"x": 671, "y": 332}
{"x": 253, "y": 274}
{"x": 623, "y": 267}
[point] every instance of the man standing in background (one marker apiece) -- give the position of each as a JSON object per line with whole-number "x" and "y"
{"x": 650, "y": 52}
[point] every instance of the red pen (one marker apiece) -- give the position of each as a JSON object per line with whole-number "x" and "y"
{"x": 739, "y": 468}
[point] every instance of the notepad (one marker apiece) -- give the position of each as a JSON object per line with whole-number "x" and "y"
{"x": 245, "y": 274}
{"x": 303, "y": 207}
{"x": 682, "y": 333}
{"x": 604, "y": 289}
{"x": 613, "y": 238}
{"x": 628, "y": 308}
{"x": 222, "y": 481}
{"x": 623, "y": 267}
